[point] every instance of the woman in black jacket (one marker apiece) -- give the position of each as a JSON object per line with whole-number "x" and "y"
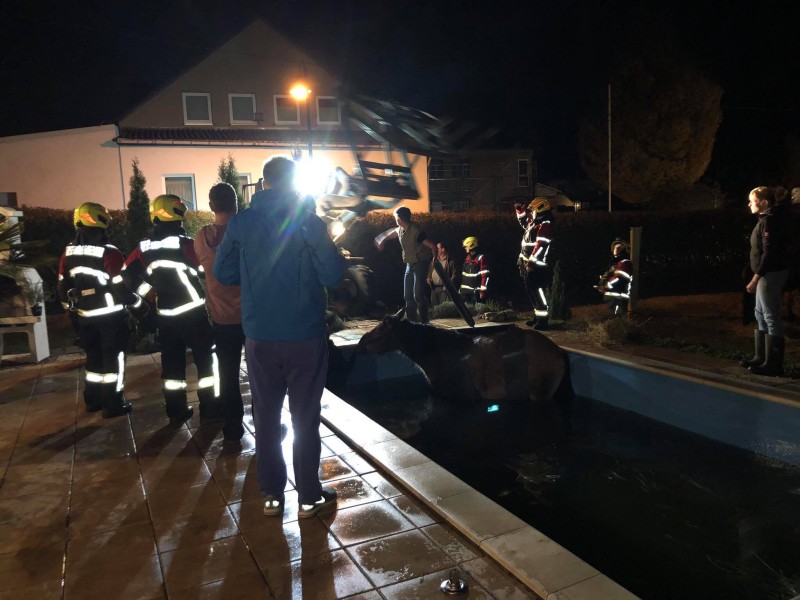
{"x": 769, "y": 262}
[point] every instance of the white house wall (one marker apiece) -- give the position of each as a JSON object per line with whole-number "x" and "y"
{"x": 62, "y": 169}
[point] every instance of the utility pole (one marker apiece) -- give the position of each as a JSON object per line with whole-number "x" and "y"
{"x": 609, "y": 147}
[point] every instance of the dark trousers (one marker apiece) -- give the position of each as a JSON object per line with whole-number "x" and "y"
{"x": 105, "y": 340}
{"x": 537, "y": 283}
{"x": 229, "y": 340}
{"x": 174, "y": 337}
{"x": 298, "y": 368}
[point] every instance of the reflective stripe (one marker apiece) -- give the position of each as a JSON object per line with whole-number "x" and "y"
{"x": 120, "y": 371}
{"x": 170, "y": 264}
{"x": 101, "y": 276}
{"x": 116, "y": 279}
{"x": 542, "y": 296}
{"x": 174, "y": 384}
{"x": 96, "y": 251}
{"x": 101, "y": 377}
{"x": 144, "y": 288}
{"x": 137, "y": 303}
{"x": 171, "y": 312}
{"x": 172, "y": 243}
{"x": 542, "y": 239}
{"x": 539, "y": 313}
{"x": 110, "y": 307}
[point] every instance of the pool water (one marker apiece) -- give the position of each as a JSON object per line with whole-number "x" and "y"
{"x": 666, "y": 513}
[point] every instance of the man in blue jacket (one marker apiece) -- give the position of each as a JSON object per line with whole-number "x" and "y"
{"x": 282, "y": 257}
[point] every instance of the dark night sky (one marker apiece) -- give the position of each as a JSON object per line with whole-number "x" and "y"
{"x": 531, "y": 67}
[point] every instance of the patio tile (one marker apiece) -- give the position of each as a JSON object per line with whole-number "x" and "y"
{"x": 498, "y": 581}
{"x": 277, "y": 543}
{"x": 191, "y": 566}
{"x": 247, "y": 586}
{"x": 193, "y": 529}
{"x": 367, "y": 522}
{"x": 169, "y": 502}
{"x": 120, "y": 576}
{"x": 329, "y": 575}
{"x": 31, "y": 567}
{"x": 428, "y": 587}
{"x": 455, "y": 546}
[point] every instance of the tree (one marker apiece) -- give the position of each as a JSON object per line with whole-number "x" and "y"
{"x": 137, "y": 224}
{"x": 665, "y": 116}
{"x": 228, "y": 174}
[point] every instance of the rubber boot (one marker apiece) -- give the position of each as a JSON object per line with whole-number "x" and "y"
{"x": 115, "y": 405}
{"x": 541, "y": 323}
{"x": 423, "y": 314}
{"x": 758, "y": 357}
{"x": 411, "y": 313}
{"x": 178, "y": 410}
{"x": 773, "y": 363}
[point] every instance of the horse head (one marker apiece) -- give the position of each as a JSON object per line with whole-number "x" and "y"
{"x": 386, "y": 336}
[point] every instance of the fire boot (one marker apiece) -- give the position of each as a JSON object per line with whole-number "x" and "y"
{"x": 541, "y": 323}
{"x": 423, "y": 314}
{"x": 178, "y": 410}
{"x": 212, "y": 409}
{"x": 411, "y": 313}
{"x": 773, "y": 363}
{"x": 115, "y": 405}
{"x": 93, "y": 396}
{"x": 758, "y": 357}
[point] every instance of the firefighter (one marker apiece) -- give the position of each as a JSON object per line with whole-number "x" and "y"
{"x": 534, "y": 256}
{"x": 86, "y": 275}
{"x": 167, "y": 264}
{"x": 615, "y": 283}
{"x": 475, "y": 272}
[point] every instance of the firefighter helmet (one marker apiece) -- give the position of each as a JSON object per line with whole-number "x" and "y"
{"x": 470, "y": 243}
{"x": 91, "y": 214}
{"x": 167, "y": 208}
{"x": 620, "y": 242}
{"x": 540, "y": 204}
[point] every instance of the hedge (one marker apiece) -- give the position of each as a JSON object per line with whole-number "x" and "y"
{"x": 682, "y": 252}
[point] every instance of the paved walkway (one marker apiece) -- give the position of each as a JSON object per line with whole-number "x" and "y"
{"x": 133, "y": 508}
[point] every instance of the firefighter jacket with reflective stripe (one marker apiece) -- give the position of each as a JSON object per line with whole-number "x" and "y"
{"x": 536, "y": 243}
{"x": 475, "y": 274}
{"x": 619, "y": 279}
{"x": 170, "y": 268}
{"x": 88, "y": 270}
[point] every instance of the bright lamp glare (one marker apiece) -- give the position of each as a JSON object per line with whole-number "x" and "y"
{"x": 300, "y": 92}
{"x": 311, "y": 176}
{"x": 337, "y": 229}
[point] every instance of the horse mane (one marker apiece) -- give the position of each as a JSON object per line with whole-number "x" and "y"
{"x": 414, "y": 336}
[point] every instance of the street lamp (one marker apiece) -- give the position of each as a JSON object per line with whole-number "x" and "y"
{"x": 301, "y": 92}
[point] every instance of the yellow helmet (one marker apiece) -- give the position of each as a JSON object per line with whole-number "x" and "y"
{"x": 167, "y": 208}
{"x": 470, "y": 243}
{"x": 540, "y": 204}
{"x": 91, "y": 214}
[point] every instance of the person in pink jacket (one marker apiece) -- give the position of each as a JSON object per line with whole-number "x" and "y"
{"x": 225, "y": 309}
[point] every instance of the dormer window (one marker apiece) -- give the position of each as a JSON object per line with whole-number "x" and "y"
{"x": 328, "y": 110}
{"x": 196, "y": 108}
{"x": 242, "y": 109}
{"x": 287, "y": 110}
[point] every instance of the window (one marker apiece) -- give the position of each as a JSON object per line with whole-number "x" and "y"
{"x": 183, "y": 187}
{"x": 523, "y": 173}
{"x": 242, "y": 108}
{"x": 328, "y": 110}
{"x": 247, "y": 191}
{"x": 196, "y": 109}
{"x": 437, "y": 168}
{"x": 287, "y": 110}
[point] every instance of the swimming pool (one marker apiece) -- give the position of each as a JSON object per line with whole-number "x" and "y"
{"x": 668, "y": 513}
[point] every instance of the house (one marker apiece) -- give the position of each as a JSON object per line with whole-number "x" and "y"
{"x": 237, "y": 100}
{"x": 485, "y": 179}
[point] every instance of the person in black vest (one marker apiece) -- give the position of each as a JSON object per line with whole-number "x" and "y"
{"x": 167, "y": 264}
{"x": 86, "y": 286}
{"x": 417, "y": 255}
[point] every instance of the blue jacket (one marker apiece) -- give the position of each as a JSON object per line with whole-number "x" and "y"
{"x": 282, "y": 257}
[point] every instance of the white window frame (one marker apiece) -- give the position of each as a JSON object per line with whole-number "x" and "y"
{"x": 186, "y": 120}
{"x": 193, "y": 199}
{"x": 275, "y": 109}
{"x": 338, "y": 111}
{"x": 230, "y": 109}
{"x": 524, "y": 180}
{"x": 245, "y": 178}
